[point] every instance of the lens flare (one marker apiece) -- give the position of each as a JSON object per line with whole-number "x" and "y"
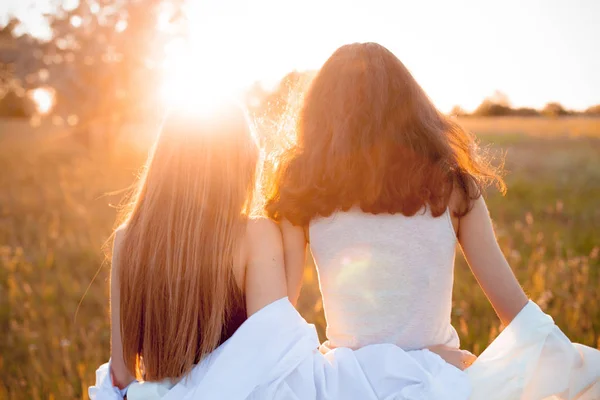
{"x": 355, "y": 266}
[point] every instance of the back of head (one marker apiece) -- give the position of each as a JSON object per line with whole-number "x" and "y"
{"x": 368, "y": 136}
{"x": 183, "y": 228}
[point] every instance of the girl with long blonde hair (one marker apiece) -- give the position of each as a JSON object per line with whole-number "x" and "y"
{"x": 190, "y": 262}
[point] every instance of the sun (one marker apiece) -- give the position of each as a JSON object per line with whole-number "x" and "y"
{"x": 188, "y": 81}
{"x": 205, "y": 67}
{"x": 195, "y": 79}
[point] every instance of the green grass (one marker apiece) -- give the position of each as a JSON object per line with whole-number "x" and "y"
{"x": 55, "y": 215}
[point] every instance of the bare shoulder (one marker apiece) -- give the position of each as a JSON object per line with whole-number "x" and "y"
{"x": 118, "y": 239}
{"x": 260, "y": 224}
{"x": 263, "y": 243}
{"x": 476, "y": 224}
{"x": 455, "y": 205}
{"x": 457, "y": 200}
{"x": 262, "y": 232}
{"x": 291, "y": 230}
{"x": 119, "y": 234}
{"x": 117, "y": 244}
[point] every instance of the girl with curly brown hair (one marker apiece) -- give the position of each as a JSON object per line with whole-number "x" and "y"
{"x": 382, "y": 186}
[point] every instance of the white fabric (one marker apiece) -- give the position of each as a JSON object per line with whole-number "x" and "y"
{"x": 273, "y": 356}
{"x": 381, "y": 282}
{"x": 149, "y": 390}
{"x": 532, "y": 359}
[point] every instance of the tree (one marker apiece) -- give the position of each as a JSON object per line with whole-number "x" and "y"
{"x": 18, "y": 70}
{"x": 500, "y": 98}
{"x": 593, "y": 110}
{"x": 488, "y": 108}
{"x": 525, "y": 112}
{"x": 104, "y": 60}
{"x": 8, "y": 47}
{"x": 553, "y": 110}
{"x": 458, "y": 111}
{"x": 14, "y": 106}
{"x": 495, "y": 105}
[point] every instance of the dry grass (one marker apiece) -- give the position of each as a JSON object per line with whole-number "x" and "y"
{"x": 55, "y": 215}
{"x": 540, "y": 127}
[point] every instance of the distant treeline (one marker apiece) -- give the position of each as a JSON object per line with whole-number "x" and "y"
{"x": 489, "y": 108}
{"x": 19, "y": 105}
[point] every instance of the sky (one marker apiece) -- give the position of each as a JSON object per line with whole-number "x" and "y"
{"x": 534, "y": 51}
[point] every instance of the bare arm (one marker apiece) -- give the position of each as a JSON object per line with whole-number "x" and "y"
{"x": 265, "y": 270}
{"x": 121, "y": 377}
{"x": 294, "y": 247}
{"x": 487, "y": 263}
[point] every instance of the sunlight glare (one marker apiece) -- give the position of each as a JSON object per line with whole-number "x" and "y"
{"x": 192, "y": 84}
{"x": 164, "y": 18}
{"x": 43, "y": 99}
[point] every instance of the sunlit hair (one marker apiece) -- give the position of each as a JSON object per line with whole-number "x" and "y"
{"x": 368, "y": 136}
{"x": 183, "y": 230}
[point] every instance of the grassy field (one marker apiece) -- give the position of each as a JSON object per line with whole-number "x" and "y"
{"x": 56, "y": 211}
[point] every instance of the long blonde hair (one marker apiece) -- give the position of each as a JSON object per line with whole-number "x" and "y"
{"x": 183, "y": 230}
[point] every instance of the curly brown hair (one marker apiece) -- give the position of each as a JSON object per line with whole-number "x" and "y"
{"x": 368, "y": 136}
